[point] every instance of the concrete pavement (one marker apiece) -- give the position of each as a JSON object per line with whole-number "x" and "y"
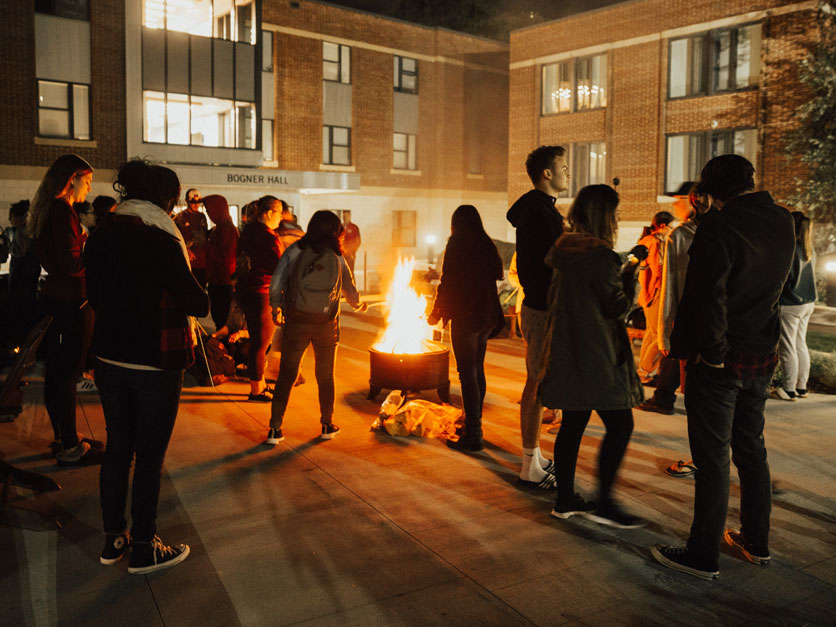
{"x": 367, "y": 529}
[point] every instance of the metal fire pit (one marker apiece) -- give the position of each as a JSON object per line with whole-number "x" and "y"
{"x": 411, "y": 373}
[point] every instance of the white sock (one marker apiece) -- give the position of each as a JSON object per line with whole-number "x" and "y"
{"x": 541, "y": 460}
{"x": 531, "y": 469}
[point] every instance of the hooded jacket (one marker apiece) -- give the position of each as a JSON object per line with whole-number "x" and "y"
{"x": 222, "y": 247}
{"x": 538, "y": 225}
{"x": 675, "y": 266}
{"x": 590, "y": 363}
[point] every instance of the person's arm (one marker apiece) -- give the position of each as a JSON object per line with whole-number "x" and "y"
{"x": 66, "y": 243}
{"x": 538, "y": 235}
{"x": 278, "y": 282}
{"x": 667, "y": 294}
{"x": 179, "y": 281}
{"x": 349, "y": 289}
{"x": 609, "y": 289}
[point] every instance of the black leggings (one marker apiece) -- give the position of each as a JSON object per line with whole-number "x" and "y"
{"x": 619, "y": 426}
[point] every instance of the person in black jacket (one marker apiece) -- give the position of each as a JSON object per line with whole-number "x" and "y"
{"x": 467, "y": 297}
{"x": 538, "y": 225}
{"x": 727, "y": 326}
{"x": 142, "y": 339}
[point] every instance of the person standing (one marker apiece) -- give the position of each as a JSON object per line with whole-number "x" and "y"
{"x": 59, "y": 239}
{"x": 305, "y": 291}
{"x": 259, "y": 251}
{"x": 728, "y": 327}
{"x": 650, "y": 282}
{"x": 24, "y": 272}
{"x": 538, "y": 224}
{"x": 590, "y": 364}
{"x": 194, "y": 227}
{"x": 351, "y": 241}
{"x": 467, "y": 297}
{"x": 143, "y": 342}
{"x": 289, "y": 230}
{"x": 798, "y": 300}
{"x": 221, "y": 253}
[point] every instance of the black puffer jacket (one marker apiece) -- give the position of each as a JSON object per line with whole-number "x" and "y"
{"x": 590, "y": 363}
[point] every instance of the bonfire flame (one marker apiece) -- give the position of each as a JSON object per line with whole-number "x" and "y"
{"x": 407, "y": 331}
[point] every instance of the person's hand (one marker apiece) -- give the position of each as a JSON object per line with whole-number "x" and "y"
{"x": 363, "y": 307}
{"x": 199, "y": 237}
{"x": 234, "y": 337}
{"x": 664, "y": 352}
{"x": 278, "y": 318}
{"x": 433, "y": 319}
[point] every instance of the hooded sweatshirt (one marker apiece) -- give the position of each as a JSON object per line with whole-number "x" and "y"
{"x": 590, "y": 363}
{"x": 538, "y": 225}
{"x": 222, "y": 247}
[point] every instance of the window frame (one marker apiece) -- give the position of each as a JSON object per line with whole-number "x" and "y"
{"x": 572, "y": 70}
{"x": 332, "y": 145}
{"x": 708, "y": 64}
{"x": 51, "y": 7}
{"x": 575, "y": 184}
{"x": 70, "y": 109}
{"x": 400, "y": 72}
{"x": 411, "y": 142}
{"x": 339, "y": 63}
{"x": 707, "y": 138}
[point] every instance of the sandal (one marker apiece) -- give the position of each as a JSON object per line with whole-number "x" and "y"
{"x": 547, "y": 483}
{"x": 681, "y": 469}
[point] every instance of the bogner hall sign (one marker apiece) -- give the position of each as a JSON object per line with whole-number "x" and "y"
{"x": 219, "y": 176}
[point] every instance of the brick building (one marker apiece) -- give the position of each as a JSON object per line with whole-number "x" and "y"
{"x": 647, "y": 91}
{"x": 323, "y": 106}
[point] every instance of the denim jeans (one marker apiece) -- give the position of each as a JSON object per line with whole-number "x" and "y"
{"x": 256, "y": 309}
{"x": 296, "y": 337}
{"x": 619, "y": 426}
{"x": 67, "y": 339}
{"x": 669, "y": 377}
{"x": 140, "y": 407}
{"x": 469, "y": 348}
{"x": 727, "y": 412}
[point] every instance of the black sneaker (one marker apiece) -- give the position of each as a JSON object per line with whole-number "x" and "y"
{"x": 612, "y": 516}
{"x": 265, "y": 396}
{"x": 466, "y": 444}
{"x": 681, "y": 559}
{"x": 146, "y": 557}
{"x": 801, "y": 393}
{"x": 736, "y": 540}
{"x": 576, "y": 504}
{"x": 329, "y": 431}
{"x": 115, "y": 547}
{"x": 274, "y": 436}
{"x": 651, "y": 405}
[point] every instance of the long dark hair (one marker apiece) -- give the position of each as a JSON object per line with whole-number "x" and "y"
{"x": 593, "y": 212}
{"x": 55, "y": 182}
{"x": 325, "y": 231}
{"x": 803, "y": 234}
{"x": 468, "y": 234}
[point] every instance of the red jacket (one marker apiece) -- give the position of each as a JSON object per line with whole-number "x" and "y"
{"x": 59, "y": 249}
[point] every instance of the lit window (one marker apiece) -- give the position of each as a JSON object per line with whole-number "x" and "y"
{"x": 406, "y": 75}
{"x": 336, "y": 145}
{"x": 688, "y": 153}
{"x": 63, "y": 110}
{"x": 403, "y": 229}
{"x": 591, "y": 82}
{"x": 589, "y": 165}
{"x": 336, "y": 62}
{"x": 267, "y": 139}
{"x": 557, "y": 88}
{"x": 198, "y": 121}
{"x": 404, "y": 152}
{"x": 230, "y": 19}
{"x": 716, "y": 61}
{"x": 578, "y": 85}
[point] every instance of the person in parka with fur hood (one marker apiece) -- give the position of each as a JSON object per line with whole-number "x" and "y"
{"x": 590, "y": 364}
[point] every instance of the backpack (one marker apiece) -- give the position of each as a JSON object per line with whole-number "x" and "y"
{"x": 314, "y": 287}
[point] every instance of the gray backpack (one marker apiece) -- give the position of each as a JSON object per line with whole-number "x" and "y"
{"x": 314, "y": 287}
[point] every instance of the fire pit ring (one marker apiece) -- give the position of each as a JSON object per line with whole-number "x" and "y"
{"x": 411, "y": 373}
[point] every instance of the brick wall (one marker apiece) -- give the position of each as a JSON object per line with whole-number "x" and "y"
{"x": 639, "y": 115}
{"x": 19, "y": 95}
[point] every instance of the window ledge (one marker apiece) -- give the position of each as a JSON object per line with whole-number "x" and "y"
{"x": 336, "y": 168}
{"x": 60, "y": 141}
{"x": 404, "y": 171}
{"x": 475, "y": 177}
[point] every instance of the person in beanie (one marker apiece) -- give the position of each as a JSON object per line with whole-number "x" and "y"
{"x": 221, "y": 252}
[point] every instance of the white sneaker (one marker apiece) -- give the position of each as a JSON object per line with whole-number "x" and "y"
{"x": 782, "y": 394}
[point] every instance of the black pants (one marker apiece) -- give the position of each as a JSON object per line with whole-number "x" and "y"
{"x": 725, "y": 412}
{"x": 619, "y": 426}
{"x": 670, "y": 376}
{"x": 256, "y": 309}
{"x": 469, "y": 347}
{"x": 140, "y": 408}
{"x": 68, "y": 340}
{"x": 220, "y": 300}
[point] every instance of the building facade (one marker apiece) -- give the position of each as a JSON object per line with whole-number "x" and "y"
{"x": 646, "y": 91}
{"x": 322, "y": 106}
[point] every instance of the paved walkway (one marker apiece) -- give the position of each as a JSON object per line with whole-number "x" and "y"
{"x": 367, "y": 529}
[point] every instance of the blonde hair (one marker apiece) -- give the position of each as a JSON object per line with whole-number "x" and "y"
{"x": 593, "y": 212}
{"x": 55, "y": 182}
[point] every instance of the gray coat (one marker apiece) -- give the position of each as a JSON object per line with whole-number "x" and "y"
{"x": 590, "y": 364}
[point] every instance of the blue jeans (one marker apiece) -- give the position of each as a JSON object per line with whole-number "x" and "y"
{"x": 296, "y": 336}
{"x": 726, "y": 412}
{"x": 469, "y": 347}
{"x": 140, "y": 407}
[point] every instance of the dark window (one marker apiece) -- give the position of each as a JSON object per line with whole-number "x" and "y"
{"x": 688, "y": 153}
{"x": 405, "y": 157}
{"x": 74, "y": 9}
{"x": 336, "y": 62}
{"x": 336, "y": 145}
{"x": 406, "y": 75}
{"x": 63, "y": 110}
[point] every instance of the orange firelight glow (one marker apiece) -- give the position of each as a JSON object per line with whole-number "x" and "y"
{"x": 407, "y": 331}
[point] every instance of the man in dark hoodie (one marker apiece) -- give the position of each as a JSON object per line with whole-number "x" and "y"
{"x": 538, "y": 225}
{"x": 727, "y": 326}
{"x": 221, "y": 251}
